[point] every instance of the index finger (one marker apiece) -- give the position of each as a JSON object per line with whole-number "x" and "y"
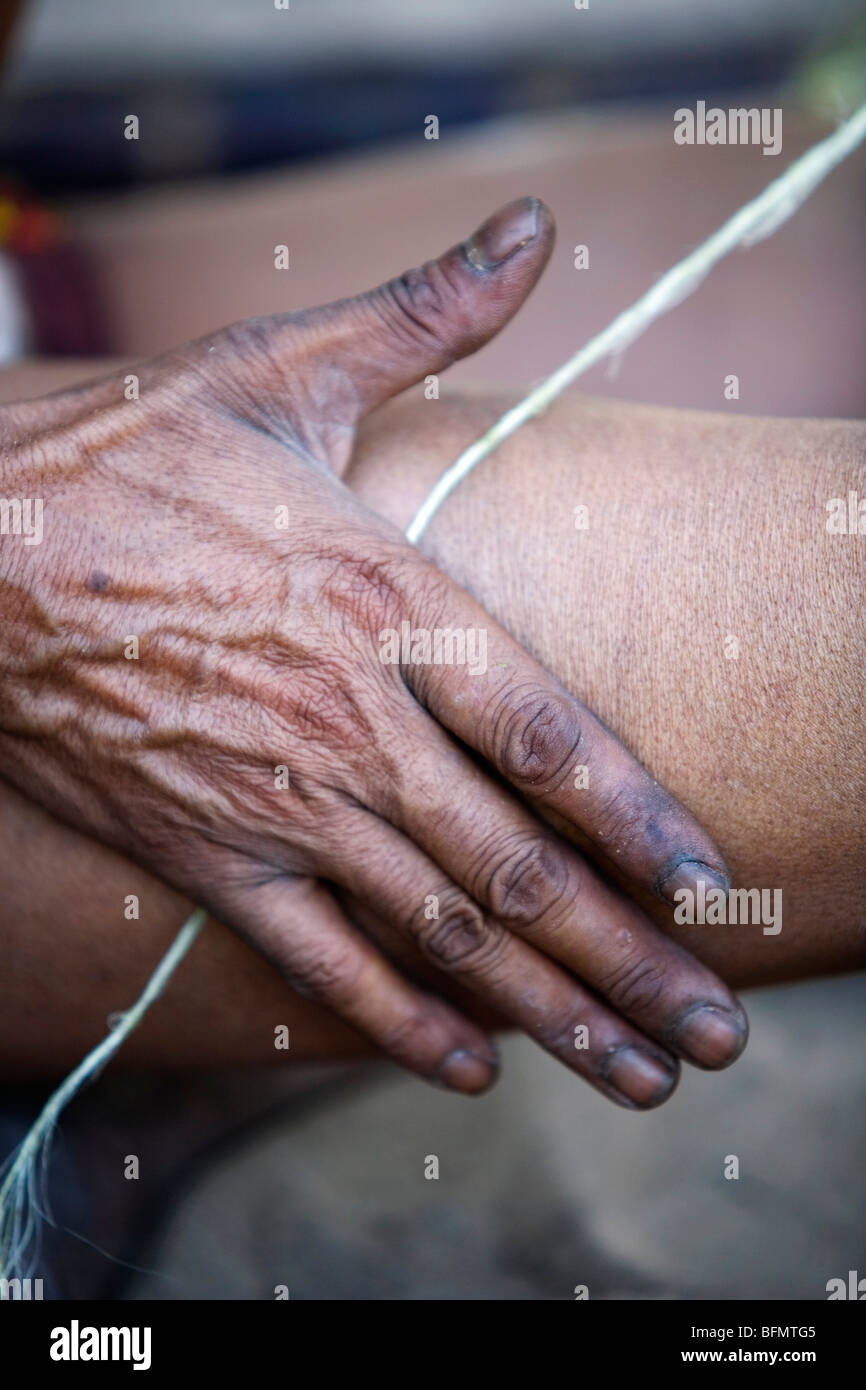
{"x": 551, "y": 747}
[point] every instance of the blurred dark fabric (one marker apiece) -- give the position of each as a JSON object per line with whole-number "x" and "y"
{"x": 63, "y": 141}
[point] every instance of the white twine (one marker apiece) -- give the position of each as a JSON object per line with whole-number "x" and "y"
{"x": 758, "y": 219}
{"x": 20, "y": 1200}
{"x": 21, "y": 1205}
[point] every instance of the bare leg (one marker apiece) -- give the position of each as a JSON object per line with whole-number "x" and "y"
{"x": 701, "y": 529}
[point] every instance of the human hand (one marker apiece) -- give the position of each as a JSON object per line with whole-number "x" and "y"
{"x": 172, "y": 645}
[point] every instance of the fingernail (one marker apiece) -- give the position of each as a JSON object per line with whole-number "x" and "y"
{"x": 687, "y": 875}
{"x": 503, "y": 234}
{"x": 641, "y": 1077}
{"x": 711, "y": 1035}
{"x": 467, "y": 1071}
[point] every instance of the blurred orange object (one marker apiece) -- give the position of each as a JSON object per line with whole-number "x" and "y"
{"x": 26, "y": 226}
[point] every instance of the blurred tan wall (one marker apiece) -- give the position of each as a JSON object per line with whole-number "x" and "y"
{"x": 786, "y": 316}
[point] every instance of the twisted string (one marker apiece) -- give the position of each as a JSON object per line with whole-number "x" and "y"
{"x": 756, "y": 220}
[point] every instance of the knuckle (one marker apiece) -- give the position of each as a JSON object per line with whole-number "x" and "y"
{"x": 528, "y": 882}
{"x": 460, "y": 939}
{"x": 245, "y": 366}
{"x": 238, "y": 351}
{"x": 240, "y": 339}
{"x": 413, "y": 1039}
{"x": 408, "y": 1038}
{"x": 327, "y": 976}
{"x": 636, "y": 986}
{"x": 557, "y": 1036}
{"x": 368, "y": 592}
{"x": 538, "y": 736}
{"x": 622, "y": 818}
{"x": 322, "y": 709}
{"x": 433, "y": 598}
{"x": 424, "y": 304}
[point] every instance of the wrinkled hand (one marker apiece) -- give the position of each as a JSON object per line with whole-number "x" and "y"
{"x": 194, "y": 671}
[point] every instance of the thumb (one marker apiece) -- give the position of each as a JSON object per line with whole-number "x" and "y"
{"x": 366, "y": 349}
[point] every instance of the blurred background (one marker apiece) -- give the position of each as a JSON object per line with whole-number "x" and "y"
{"x": 229, "y": 84}
{"x": 305, "y": 127}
